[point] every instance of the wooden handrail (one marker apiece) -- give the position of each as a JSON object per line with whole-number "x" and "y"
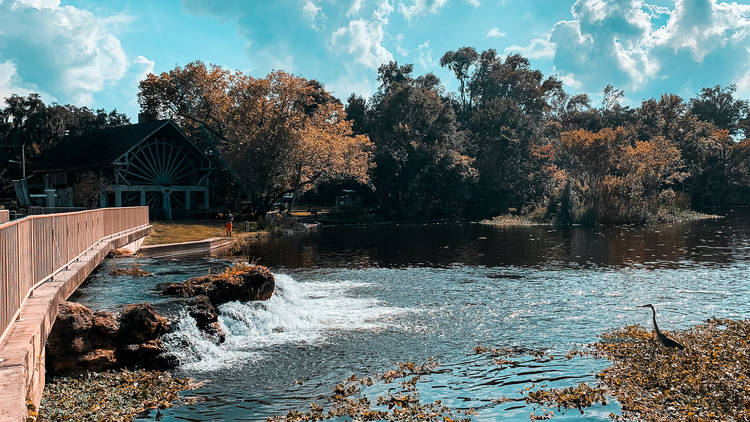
{"x": 34, "y": 248}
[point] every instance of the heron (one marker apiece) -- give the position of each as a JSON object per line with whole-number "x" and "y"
{"x": 664, "y": 340}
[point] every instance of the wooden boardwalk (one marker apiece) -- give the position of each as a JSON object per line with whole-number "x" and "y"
{"x": 43, "y": 259}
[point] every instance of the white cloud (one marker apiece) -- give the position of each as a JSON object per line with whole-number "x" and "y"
{"x": 364, "y": 40}
{"x": 383, "y": 10}
{"x": 630, "y": 42}
{"x": 399, "y": 45}
{"x": 539, "y": 48}
{"x": 425, "y": 55}
{"x": 495, "y": 33}
{"x": 474, "y": 3}
{"x": 10, "y": 82}
{"x": 354, "y": 8}
{"x": 65, "y": 51}
{"x": 569, "y": 81}
{"x": 420, "y": 7}
{"x": 313, "y": 13}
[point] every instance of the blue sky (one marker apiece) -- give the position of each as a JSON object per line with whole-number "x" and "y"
{"x": 94, "y": 52}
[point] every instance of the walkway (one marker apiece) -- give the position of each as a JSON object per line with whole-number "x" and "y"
{"x": 43, "y": 260}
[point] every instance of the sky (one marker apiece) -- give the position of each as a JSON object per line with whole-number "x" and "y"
{"x": 94, "y": 52}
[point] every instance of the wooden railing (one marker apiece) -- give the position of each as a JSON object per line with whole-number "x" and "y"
{"x": 4, "y": 216}
{"x": 34, "y": 248}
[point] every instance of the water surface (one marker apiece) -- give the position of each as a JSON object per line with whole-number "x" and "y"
{"x": 358, "y": 299}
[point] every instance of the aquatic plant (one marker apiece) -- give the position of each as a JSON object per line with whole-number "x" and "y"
{"x": 112, "y": 395}
{"x": 133, "y": 271}
{"x": 709, "y": 380}
{"x": 399, "y": 404}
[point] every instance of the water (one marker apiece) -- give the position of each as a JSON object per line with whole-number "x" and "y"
{"x": 357, "y": 300}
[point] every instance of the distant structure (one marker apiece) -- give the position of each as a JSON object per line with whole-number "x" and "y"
{"x": 149, "y": 163}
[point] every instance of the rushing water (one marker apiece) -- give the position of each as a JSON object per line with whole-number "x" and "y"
{"x": 357, "y": 300}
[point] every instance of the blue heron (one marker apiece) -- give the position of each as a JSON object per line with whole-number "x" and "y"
{"x": 664, "y": 340}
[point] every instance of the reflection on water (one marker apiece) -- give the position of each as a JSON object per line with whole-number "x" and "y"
{"x": 356, "y": 300}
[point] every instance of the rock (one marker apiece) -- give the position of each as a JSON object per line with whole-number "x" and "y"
{"x": 206, "y": 317}
{"x": 242, "y": 283}
{"x": 97, "y": 360}
{"x": 140, "y": 323}
{"x": 121, "y": 253}
{"x": 82, "y": 340}
{"x": 149, "y": 355}
{"x": 104, "y": 329}
{"x": 71, "y": 330}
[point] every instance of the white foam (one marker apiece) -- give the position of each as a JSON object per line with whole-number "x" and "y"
{"x": 297, "y": 313}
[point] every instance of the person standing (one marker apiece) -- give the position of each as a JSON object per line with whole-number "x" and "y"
{"x": 228, "y": 224}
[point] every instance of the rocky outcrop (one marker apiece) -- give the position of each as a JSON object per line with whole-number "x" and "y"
{"x": 140, "y": 323}
{"x": 82, "y": 340}
{"x": 206, "y": 317}
{"x": 242, "y": 283}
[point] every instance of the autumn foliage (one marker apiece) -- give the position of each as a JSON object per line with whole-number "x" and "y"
{"x": 279, "y": 134}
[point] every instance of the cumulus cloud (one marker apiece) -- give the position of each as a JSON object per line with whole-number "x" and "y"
{"x": 363, "y": 38}
{"x": 354, "y": 8}
{"x": 425, "y": 55}
{"x": 474, "y": 3}
{"x": 420, "y": 7}
{"x": 313, "y": 13}
{"x": 65, "y": 51}
{"x": 539, "y": 48}
{"x": 11, "y": 83}
{"x": 495, "y": 33}
{"x": 635, "y": 44}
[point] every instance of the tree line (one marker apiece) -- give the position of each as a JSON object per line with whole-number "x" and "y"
{"x": 508, "y": 140}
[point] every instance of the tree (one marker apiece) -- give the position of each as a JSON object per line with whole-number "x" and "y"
{"x": 506, "y": 124}
{"x": 279, "y": 134}
{"x": 89, "y": 188}
{"x": 460, "y": 61}
{"x": 30, "y": 124}
{"x": 718, "y": 106}
{"x": 423, "y": 166}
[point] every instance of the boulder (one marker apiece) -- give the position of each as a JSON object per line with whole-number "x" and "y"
{"x": 140, "y": 323}
{"x": 70, "y": 333}
{"x": 242, "y": 283}
{"x": 206, "y": 317}
{"x": 82, "y": 340}
{"x": 105, "y": 328}
{"x": 149, "y": 355}
{"x": 97, "y": 360}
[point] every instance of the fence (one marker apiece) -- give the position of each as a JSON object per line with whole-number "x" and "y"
{"x": 34, "y": 248}
{"x": 4, "y": 216}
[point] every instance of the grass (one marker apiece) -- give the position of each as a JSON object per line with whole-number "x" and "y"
{"x": 191, "y": 230}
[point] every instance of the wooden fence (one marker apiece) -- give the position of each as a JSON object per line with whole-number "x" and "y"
{"x": 4, "y": 216}
{"x": 34, "y": 248}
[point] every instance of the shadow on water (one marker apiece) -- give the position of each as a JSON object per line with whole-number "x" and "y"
{"x": 355, "y": 300}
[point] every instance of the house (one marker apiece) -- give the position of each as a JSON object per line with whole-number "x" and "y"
{"x": 149, "y": 163}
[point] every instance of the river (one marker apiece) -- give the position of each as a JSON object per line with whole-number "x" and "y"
{"x": 355, "y": 300}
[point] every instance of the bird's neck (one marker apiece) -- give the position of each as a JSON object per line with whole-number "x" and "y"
{"x": 656, "y": 327}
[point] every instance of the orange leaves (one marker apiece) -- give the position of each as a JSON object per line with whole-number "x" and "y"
{"x": 621, "y": 180}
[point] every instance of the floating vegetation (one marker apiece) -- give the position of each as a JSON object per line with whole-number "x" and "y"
{"x": 134, "y": 271}
{"x": 512, "y": 220}
{"x": 578, "y": 397}
{"x": 399, "y": 404}
{"x": 708, "y": 380}
{"x": 111, "y": 396}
